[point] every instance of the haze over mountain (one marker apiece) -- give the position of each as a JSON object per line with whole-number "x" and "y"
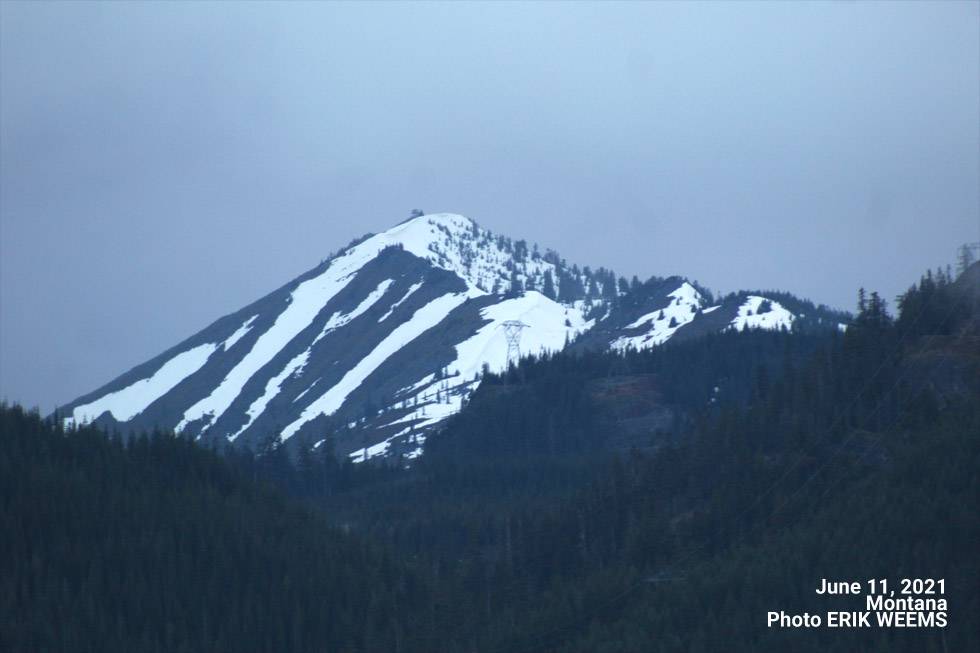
{"x": 165, "y": 164}
{"x": 387, "y": 338}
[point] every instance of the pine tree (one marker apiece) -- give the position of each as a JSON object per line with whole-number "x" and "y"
{"x": 549, "y": 286}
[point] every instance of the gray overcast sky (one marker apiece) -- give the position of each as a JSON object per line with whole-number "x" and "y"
{"x": 162, "y": 165}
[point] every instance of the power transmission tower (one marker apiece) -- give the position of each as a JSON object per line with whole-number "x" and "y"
{"x": 512, "y": 331}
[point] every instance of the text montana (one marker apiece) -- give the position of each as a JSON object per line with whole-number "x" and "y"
{"x": 879, "y": 602}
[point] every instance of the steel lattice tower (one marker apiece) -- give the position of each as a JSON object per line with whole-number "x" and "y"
{"x": 512, "y": 331}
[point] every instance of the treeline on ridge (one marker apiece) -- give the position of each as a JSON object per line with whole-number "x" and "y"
{"x": 580, "y": 502}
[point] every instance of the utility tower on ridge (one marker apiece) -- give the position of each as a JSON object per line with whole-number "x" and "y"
{"x": 512, "y": 331}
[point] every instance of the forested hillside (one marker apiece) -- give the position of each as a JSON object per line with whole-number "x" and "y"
{"x": 158, "y": 545}
{"x": 667, "y": 499}
{"x": 544, "y": 506}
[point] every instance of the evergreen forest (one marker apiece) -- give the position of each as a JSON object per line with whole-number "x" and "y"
{"x": 662, "y": 500}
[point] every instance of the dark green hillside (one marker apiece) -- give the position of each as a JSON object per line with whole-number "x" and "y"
{"x": 545, "y": 430}
{"x": 851, "y": 459}
{"x": 659, "y": 500}
{"x": 859, "y": 464}
{"x": 917, "y": 517}
{"x": 161, "y": 546}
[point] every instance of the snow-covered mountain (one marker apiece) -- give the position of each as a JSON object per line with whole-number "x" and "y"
{"x": 375, "y": 346}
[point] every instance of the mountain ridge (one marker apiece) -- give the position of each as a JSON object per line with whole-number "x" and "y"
{"x": 388, "y": 337}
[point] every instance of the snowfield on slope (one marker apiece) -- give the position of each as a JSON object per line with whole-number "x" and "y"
{"x": 129, "y": 402}
{"x": 683, "y": 307}
{"x": 422, "y": 320}
{"x": 305, "y": 302}
{"x": 296, "y": 365}
{"x": 442, "y": 239}
{"x": 550, "y": 327}
{"x": 486, "y": 264}
{"x": 749, "y": 317}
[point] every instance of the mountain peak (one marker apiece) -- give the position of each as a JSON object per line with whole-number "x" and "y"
{"x": 488, "y": 264}
{"x": 384, "y": 340}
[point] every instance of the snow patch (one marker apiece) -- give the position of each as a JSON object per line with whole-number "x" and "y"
{"x": 300, "y": 395}
{"x": 337, "y": 320}
{"x": 685, "y": 301}
{"x": 547, "y": 331}
{"x": 296, "y": 365}
{"x": 749, "y": 317}
{"x": 367, "y": 453}
{"x": 305, "y": 302}
{"x": 424, "y": 319}
{"x": 454, "y": 243}
{"x": 240, "y": 333}
{"x": 382, "y": 448}
{"x": 414, "y": 287}
{"x": 272, "y": 388}
{"x": 550, "y": 325}
{"x": 129, "y": 402}
{"x": 425, "y": 382}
